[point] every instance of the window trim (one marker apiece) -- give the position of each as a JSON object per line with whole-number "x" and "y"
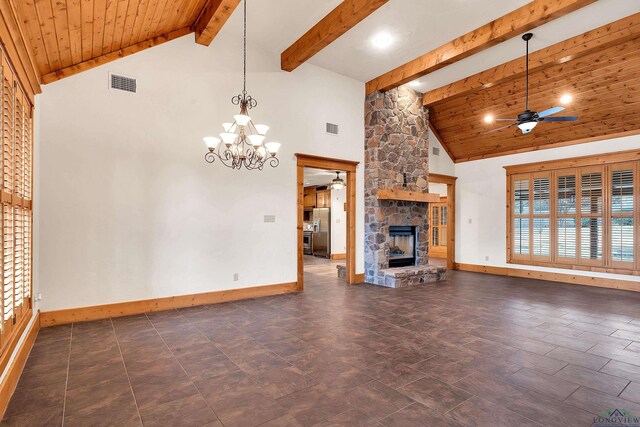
{"x": 607, "y": 163}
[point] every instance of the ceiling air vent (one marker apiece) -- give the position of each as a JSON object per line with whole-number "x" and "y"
{"x": 435, "y": 151}
{"x": 120, "y": 82}
{"x": 332, "y": 129}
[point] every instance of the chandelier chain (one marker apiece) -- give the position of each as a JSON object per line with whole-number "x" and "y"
{"x": 244, "y": 72}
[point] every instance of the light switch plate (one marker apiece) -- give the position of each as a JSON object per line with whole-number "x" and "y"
{"x": 269, "y": 218}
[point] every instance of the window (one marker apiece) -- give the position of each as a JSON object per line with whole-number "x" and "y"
{"x": 583, "y": 216}
{"x": 438, "y": 229}
{"x": 15, "y": 215}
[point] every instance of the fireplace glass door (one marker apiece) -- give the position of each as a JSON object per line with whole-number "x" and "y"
{"x": 402, "y": 246}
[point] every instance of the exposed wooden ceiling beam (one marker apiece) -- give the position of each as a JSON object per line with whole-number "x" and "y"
{"x": 212, "y": 18}
{"x": 112, "y": 56}
{"x": 340, "y": 20}
{"x": 608, "y": 35}
{"x": 510, "y": 25}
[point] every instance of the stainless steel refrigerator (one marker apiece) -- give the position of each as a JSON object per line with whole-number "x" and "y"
{"x": 322, "y": 232}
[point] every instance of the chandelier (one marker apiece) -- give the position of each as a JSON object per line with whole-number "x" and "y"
{"x": 243, "y": 143}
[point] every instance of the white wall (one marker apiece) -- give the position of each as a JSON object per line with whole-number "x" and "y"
{"x": 441, "y": 164}
{"x": 338, "y": 221}
{"x": 481, "y": 198}
{"x": 438, "y": 188}
{"x": 129, "y": 209}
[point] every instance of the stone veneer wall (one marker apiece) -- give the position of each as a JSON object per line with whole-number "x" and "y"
{"x": 396, "y": 142}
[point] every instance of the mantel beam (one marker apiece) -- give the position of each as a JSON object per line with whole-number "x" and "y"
{"x": 212, "y": 18}
{"x": 608, "y": 35}
{"x": 523, "y": 19}
{"x": 407, "y": 196}
{"x": 340, "y": 20}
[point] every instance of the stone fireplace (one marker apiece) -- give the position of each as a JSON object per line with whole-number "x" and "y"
{"x": 397, "y": 161}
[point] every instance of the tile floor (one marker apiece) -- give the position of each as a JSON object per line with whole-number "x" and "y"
{"x": 476, "y": 350}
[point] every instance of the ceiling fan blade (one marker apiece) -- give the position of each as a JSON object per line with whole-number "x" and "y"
{"x": 505, "y": 120}
{"x": 497, "y": 129}
{"x": 560, "y": 119}
{"x": 550, "y": 111}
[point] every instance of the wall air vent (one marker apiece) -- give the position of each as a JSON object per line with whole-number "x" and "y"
{"x": 332, "y": 128}
{"x": 120, "y": 82}
{"x": 435, "y": 151}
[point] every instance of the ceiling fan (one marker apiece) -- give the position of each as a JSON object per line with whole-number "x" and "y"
{"x": 529, "y": 119}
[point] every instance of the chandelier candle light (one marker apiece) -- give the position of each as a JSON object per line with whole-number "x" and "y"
{"x": 243, "y": 143}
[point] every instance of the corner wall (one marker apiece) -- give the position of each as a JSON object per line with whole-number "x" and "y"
{"x": 129, "y": 209}
{"x": 481, "y": 204}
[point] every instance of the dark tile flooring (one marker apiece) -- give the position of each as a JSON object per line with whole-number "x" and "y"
{"x": 476, "y": 350}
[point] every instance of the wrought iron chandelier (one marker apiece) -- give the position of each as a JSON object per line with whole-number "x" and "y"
{"x": 243, "y": 143}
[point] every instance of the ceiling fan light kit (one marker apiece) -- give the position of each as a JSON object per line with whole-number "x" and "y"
{"x": 529, "y": 119}
{"x": 338, "y": 183}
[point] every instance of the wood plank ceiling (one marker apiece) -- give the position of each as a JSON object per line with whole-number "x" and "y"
{"x": 606, "y": 96}
{"x": 64, "y": 34}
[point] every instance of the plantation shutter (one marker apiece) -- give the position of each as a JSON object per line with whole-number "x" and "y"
{"x": 27, "y": 247}
{"x": 622, "y": 183}
{"x": 521, "y": 224}
{"x": 566, "y": 217}
{"x": 16, "y": 219}
{"x": 7, "y": 262}
{"x": 591, "y": 212}
{"x": 8, "y": 118}
{"x": 541, "y": 217}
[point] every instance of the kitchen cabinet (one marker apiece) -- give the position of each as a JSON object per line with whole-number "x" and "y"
{"x": 309, "y": 200}
{"x": 323, "y": 199}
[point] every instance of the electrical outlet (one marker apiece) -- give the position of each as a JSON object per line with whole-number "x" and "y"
{"x": 235, "y": 277}
{"x": 39, "y": 296}
{"x": 486, "y": 258}
{"x": 337, "y": 220}
{"x": 470, "y": 221}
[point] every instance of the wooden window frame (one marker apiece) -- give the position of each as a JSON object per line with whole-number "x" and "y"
{"x": 604, "y": 163}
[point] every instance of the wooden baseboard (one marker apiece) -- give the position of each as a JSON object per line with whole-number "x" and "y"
{"x": 338, "y": 256}
{"x": 359, "y": 278}
{"x": 83, "y": 314}
{"x": 14, "y": 369}
{"x": 573, "y": 279}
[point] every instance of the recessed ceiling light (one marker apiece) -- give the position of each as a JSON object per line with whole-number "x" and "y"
{"x": 566, "y": 99}
{"x": 488, "y": 118}
{"x": 382, "y": 40}
{"x": 415, "y": 83}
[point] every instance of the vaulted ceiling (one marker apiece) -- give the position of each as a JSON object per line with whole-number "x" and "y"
{"x": 68, "y": 36}
{"x": 598, "y": 69}
{"x": 65, "y": 37}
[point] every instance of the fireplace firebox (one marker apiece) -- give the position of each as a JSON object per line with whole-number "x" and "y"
{"x": 402, "y": 245}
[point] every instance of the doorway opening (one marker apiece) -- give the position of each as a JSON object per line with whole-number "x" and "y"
{"x": 326, "y": 218}
{"x": 442, "y": 221}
